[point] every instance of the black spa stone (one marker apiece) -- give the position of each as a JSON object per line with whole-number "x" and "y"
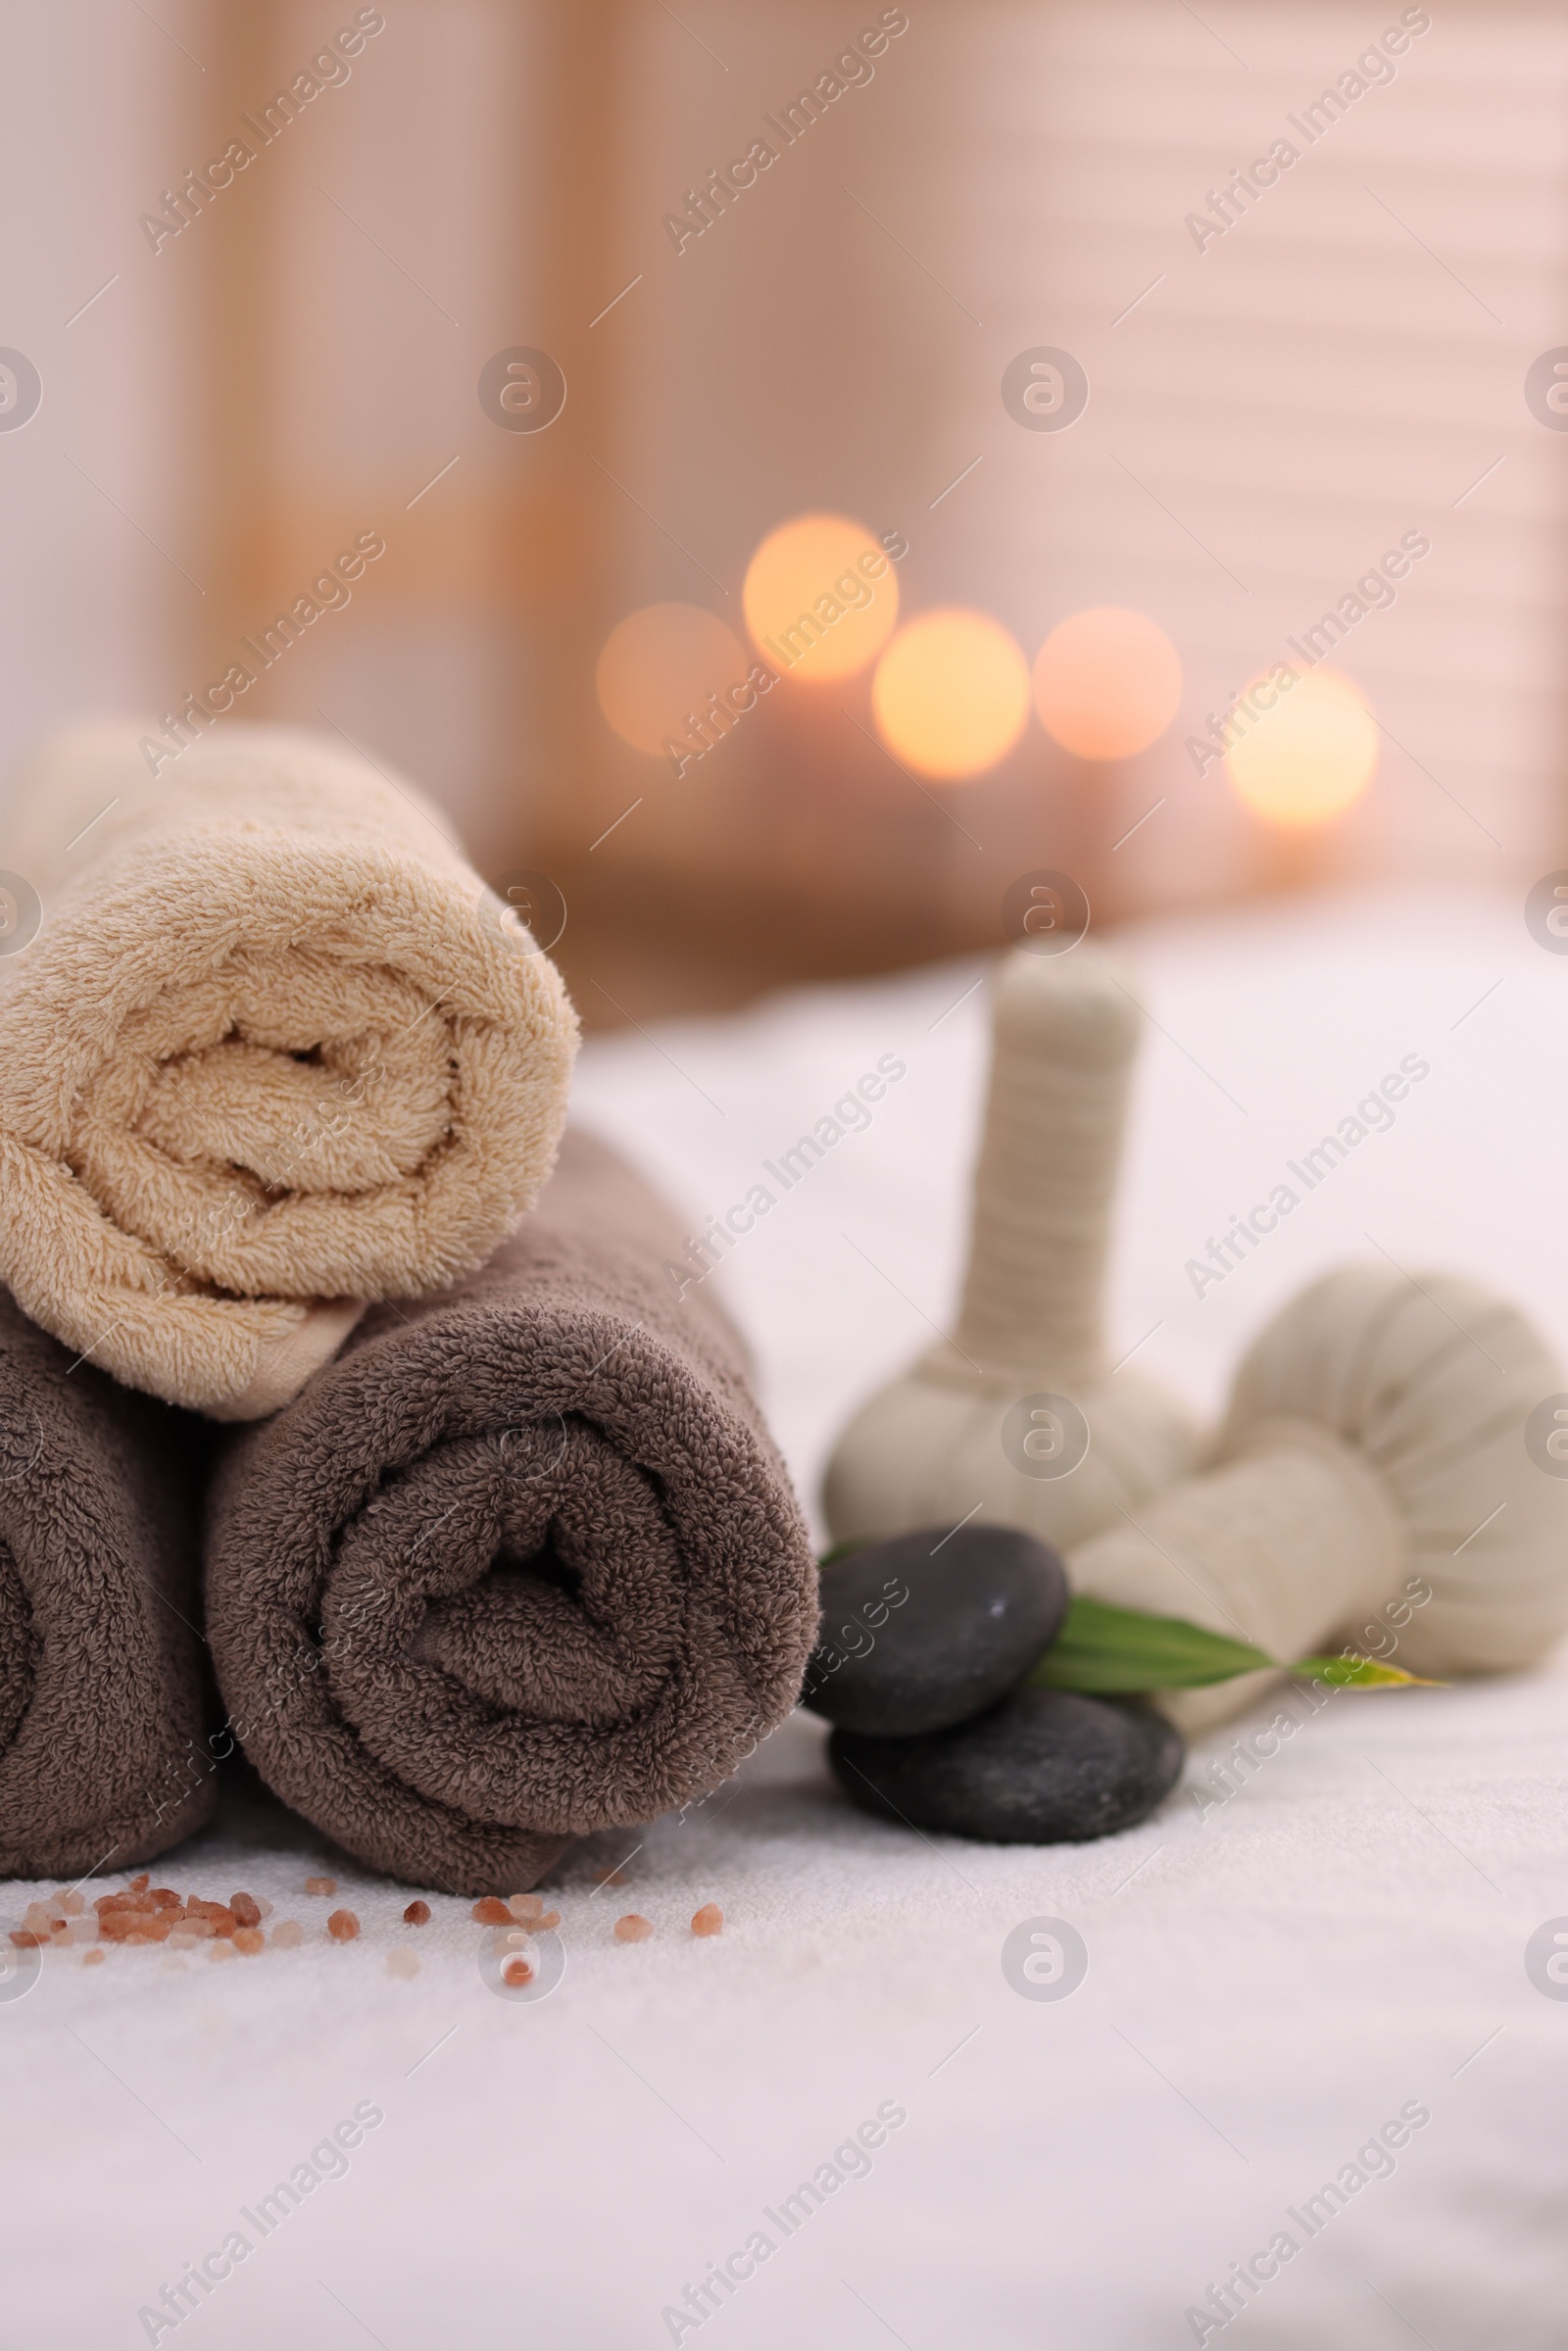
{"x": 1046, "y": 1767}
{"x": 926, "y": 1630}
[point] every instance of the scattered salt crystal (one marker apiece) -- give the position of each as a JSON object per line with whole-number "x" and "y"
{"x": 403, "y": 1962}
{"x": 342, "y": 1926}
{"x": 248, "y": 1940}
{"x": 632, "y": 1929}
{"x": 418, "y": 1914}
{"x": 320, "y": 1885}
{"x": 491, "y": 1911}
{"x": 710, "y": 1919}
{"x": 288, "y": 1933}
{"x": 220, "y": 1918}
{"x": 92, "y": 1958}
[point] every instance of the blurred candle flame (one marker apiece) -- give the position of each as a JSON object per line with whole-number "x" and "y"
{"x": 1301, "y": 753}
{"x": 657, "y": 669}
{"x": 951, "y": 695}
{"x": 820, "y": 598}
{"x": 1108, "y": 682}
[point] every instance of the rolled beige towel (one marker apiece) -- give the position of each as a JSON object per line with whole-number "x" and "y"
{"x": 274, "y": 1050}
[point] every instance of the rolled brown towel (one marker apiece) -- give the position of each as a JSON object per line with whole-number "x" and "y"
{"x": 522, "y": 1563}
{"x": 101, "y": 1676}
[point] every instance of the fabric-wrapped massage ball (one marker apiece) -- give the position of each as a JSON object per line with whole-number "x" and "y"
{"x": 1376, "y": 1484}
{"x": 1022, "y": 1411}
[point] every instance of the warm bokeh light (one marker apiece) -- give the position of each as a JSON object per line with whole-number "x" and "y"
{"x": 1310, "y": 755}
{"x": 952, "y": 693}
{"x": 1108, "y": 682}
{"x": 821, "y": 597}
{"x": 660, "y": 665}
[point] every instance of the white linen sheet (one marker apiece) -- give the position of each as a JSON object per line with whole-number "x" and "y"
{"x": 1270, "y": 1978}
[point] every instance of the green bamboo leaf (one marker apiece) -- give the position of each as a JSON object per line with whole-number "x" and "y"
{"x": 842, "y": 1551}
{"x": 1104, "y": 1651}
{"x": 1361, "y": 1673}
{"x": 1107, "y": 1652}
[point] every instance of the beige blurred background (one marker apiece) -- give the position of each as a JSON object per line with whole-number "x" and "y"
{"x": 301, "y": 363}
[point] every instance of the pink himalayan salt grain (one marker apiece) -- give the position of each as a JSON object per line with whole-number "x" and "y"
{"x": 73, "y": 1904}
{"x": 219, "y": 1916}
{"x": 525, "y": 1906}
{"x": 418, "y": 1914}
{"x": 491, "y": 1911}
{"x": 221, "y": 1949}
{"x": 92, "y": 1958}
{"x": 401, "y": 1961}
{"x": 320, "y": 1885}
{"x": 710, "y": 1919}
{"x": 250, "y": 1940}
{"x": 632, "y": 1929}
{"x": 247, "y": 1911}
{"x": 139, "y": 1926}
{"x": 342, "y": 1926}
{"x": 289, "y": 1934}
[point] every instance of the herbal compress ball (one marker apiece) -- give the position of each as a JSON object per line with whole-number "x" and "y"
{"x": 1019, "y": 1413}
{"x": 1379, "y": 1482}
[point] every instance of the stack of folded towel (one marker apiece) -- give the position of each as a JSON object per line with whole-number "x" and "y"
{"x": 502, "y": 1552}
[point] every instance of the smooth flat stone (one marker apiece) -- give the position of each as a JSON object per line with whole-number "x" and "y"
{"x": 928, "y": 1629}
{"x": 1044, "y": 1767}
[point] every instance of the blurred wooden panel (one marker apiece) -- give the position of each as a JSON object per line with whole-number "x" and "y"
{"x": 468, "y": 552}
{"x": 1264, "y": 416}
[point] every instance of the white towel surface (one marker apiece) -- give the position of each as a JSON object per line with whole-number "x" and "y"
{"x": 1270, "y": 1978}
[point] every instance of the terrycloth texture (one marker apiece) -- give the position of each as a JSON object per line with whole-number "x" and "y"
{"x": 274, "y": 1050}
{"x": 941, "y": 1442}
{"x": 101, "y": 1680}
{"x": 1373, "y": 1486}
{"x": 521, "y": 1564}
{"x": 1296, "y": 1958}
